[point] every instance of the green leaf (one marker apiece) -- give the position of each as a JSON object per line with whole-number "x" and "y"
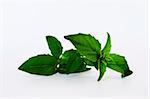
{"x": 102, "y": 68}
{"x": 40, "y": 65}
{"x": 71, "y": 62}
{"x": 86, "y": 45}
{"x": 88, "y": 62}
{"x": 119, "y": 64}
{"x": 107, "y": 47}
{"x": 55, "y": 46}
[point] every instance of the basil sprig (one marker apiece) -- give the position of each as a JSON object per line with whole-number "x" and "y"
{"x": 90, "y": 48}
{"x": 88, "y": 52}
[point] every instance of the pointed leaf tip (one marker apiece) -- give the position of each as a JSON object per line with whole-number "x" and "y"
{"x": 107, "y": 47}
{"x": 102, "y": 69}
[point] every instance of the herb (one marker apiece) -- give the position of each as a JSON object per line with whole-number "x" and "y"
{"x": 88, "y": 53}
{"x": 86, "y": 45}
{"x": 90, "y": 49}
{"x": 54, "y": 46}
{"x": 71, "y": 62}
{"x": 41, "y": 65}
{"x": 68, "y": 62}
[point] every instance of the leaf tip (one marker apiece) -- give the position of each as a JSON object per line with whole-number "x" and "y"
{"x": 47, "y": 37}
{"x": 66, "y": 37}
{"x": 108, "y": 35}
{"x": 127, "y": 74}
{"x": 99, "y": 79}
{"x": 20, "y": 68}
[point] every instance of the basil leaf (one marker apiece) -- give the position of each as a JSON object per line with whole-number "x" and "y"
{"x": 71, "y": 62}
{"x": 40, "y": 65}
{"x": 54, "y": 45}
{"x": 119, "y": 64}
{"x": 102, "y": 68}
{"x": 86, "y": 45}
{"x": 107, "y": 47}
{"x": 88, "y": 62}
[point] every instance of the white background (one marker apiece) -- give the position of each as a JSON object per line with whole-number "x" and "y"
{"x": 25, "y": 23}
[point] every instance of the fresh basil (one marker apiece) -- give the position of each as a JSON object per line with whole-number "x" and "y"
{"x": 102, "y": 69}
{"x": 86, "y": 44}
{"x": 41, "y": 65}
{"x": 119, "y": 64}
{"x": 107, "y": 48}
{"x": 71, "y": 62}
{"x": 54, "y": 45}
{"x": 88, "y": 52}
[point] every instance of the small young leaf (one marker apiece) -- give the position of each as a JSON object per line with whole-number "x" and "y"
{"x": 86, "y": 45}
{"x": 71, "y": 62}
{"x": 40, "y": 65}
{"x": 119, "y": 64}
{"x": 54, "y": 45}
{"x": 107, "y": 48}
{"x": 102, "y": 68}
